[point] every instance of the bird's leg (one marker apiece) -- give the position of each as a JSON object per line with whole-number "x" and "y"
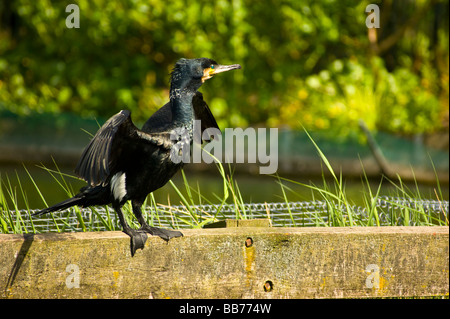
{"x": 155, "y": 231}
{"x": 138, "y": 238}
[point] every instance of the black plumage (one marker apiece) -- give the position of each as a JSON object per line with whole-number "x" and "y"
{"x": 123, "y": 163}
{"x": 164, "y": 115}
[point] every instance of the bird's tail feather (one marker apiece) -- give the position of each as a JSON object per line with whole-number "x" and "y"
{"x": 76, "y": 200}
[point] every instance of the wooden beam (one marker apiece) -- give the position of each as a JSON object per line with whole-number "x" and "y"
{"x": 293, "y": 262}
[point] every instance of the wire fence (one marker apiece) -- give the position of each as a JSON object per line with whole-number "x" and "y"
{"x": 390, "y": 211}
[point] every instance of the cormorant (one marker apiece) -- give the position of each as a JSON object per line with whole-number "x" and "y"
{"x": 124, "y": 163}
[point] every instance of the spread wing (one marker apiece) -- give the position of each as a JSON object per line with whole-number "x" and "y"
{"x": 100, "y": 157}
{"x": 203, "y": 113}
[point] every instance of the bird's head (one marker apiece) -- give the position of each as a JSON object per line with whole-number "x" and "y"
{"x": 190, "y": 74}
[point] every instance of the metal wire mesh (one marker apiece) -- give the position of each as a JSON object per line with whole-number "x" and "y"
{"x": 391, "y": 211}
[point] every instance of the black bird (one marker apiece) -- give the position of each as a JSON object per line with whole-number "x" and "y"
{"x": 124, "y": 163}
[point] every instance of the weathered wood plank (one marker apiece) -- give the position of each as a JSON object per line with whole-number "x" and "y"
{"x": 223, "y": 263}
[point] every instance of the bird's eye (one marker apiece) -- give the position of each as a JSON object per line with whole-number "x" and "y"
{"x": 212, "y": 66}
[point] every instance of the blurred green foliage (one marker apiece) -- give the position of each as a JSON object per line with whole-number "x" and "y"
{"x": 305, "y": 63}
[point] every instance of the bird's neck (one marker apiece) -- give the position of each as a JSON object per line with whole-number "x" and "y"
{"x": 181, "y": 102}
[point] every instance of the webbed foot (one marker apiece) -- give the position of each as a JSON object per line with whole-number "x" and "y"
{"x": 165, "y": 234}
{"x": 137, "y": 240}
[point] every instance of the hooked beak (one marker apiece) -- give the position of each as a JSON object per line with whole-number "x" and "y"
{"x": 223, "y": 68}
{"x": 214, "y": 69}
